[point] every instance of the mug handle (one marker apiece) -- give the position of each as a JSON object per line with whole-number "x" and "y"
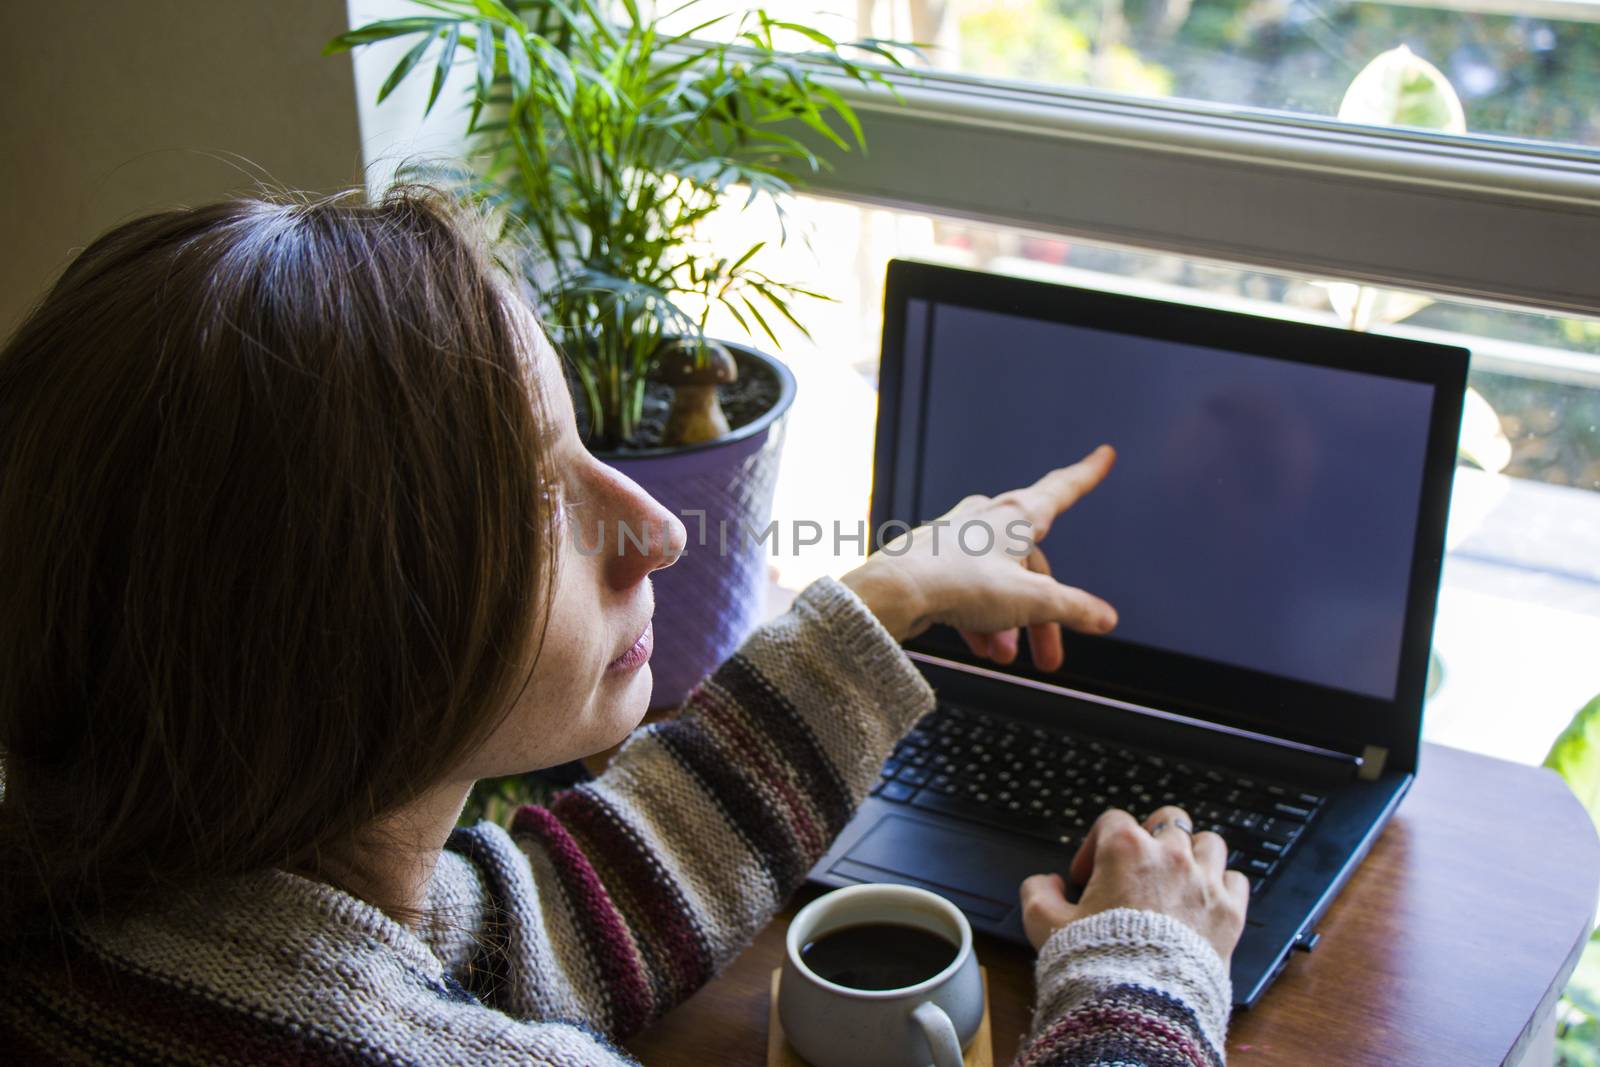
{"x": 941, "y": 1034}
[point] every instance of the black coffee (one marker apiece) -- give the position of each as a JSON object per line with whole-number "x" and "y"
{"x": 878, "y": 955}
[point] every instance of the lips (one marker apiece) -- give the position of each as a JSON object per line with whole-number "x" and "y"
{"x": 637, "y": 654}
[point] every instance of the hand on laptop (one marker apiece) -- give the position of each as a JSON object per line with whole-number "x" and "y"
{"x": 978, "y": 568}
{"x": 1122, "y": 864}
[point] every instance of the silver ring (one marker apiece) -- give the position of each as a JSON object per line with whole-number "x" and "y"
{"x": 1177, "y": 824}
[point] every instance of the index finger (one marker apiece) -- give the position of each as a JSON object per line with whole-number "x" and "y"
{"x": 1063, "y": 487}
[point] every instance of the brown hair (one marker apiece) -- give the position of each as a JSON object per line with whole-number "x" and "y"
{"x": 274, "y": 545}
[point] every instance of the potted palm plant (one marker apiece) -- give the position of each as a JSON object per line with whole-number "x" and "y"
{"x": 608, "y": 139}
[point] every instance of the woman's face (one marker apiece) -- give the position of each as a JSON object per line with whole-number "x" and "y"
{"x": 591, "y": 685}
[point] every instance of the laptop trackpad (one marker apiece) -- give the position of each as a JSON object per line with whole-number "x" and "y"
{"x": 980, "y": 872}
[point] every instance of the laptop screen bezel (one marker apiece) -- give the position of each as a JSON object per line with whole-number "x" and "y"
{"x": 1236, "y": 697}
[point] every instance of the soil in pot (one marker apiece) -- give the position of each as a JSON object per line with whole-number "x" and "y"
{"x": 743, "y": 401}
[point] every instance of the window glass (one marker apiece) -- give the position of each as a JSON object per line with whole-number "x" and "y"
{"x": 1521, "y": 70}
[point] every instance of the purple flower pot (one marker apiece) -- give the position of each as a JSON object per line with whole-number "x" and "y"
{"x": 709, "y": 600}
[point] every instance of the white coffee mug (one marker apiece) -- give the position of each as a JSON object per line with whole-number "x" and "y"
{"x": 831, "y": 1025}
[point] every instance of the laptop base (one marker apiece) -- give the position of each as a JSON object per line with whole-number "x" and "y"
{"x": 979, "y": 867}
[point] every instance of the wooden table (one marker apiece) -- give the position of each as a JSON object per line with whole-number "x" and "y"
{"x": 1449, "y": 946}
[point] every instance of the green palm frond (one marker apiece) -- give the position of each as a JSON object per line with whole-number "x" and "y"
{"x": 605, "y": 141}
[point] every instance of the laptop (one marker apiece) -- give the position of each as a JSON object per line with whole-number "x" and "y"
{"x": 1271, "y": 537}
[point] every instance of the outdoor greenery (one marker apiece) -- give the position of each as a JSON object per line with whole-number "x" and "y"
{"x": 1576, "y": 757}
{"x": 605, "y": 141}
{"x": 1518, "y": 75}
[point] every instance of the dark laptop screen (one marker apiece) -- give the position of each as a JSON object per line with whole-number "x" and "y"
{"x": 1261, "y": 514}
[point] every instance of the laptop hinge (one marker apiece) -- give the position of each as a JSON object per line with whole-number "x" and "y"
{"x": 1362, "y": 764}
{"x": 1373, "y": 757}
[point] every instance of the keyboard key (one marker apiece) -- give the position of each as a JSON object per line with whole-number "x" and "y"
{"x": 1286, "y": 810}
{"x": 1078, "y": 824}
{"x": 1243, "y": 820}
{"x": 1245, "y": 798}
{"x": 912, "y": 775}
{"x": 1017, "y": 820}
{"x": 978, "y": 811}
{"x": 899, "y": 792}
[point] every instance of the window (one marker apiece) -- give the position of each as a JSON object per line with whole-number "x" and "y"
{"x": 1515, "y": 70}
{"x": 1466, "y": 163}
{"x": 1519, "y": 611}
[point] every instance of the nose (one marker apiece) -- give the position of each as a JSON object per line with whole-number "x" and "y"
{"x": 648, "y": 536}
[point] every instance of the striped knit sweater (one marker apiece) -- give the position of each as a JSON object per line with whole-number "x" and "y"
{"x": 555, "y": 941}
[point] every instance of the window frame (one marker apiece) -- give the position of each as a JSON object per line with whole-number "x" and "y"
{"x": 1477, "y": 218}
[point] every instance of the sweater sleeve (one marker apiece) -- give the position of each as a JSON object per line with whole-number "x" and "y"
{"x": 628, "y": 893}
{"x": 1129, "y": 987}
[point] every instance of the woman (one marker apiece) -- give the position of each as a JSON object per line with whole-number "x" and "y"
{"x": 285, "y": 491}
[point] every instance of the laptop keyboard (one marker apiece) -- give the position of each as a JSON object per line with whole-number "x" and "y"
{"x": 1051, "y": 784}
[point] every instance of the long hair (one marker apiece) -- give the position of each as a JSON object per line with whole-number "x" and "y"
{"x": 275, "y": 547}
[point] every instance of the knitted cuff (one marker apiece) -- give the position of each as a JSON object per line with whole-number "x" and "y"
{"x": 886, "y": 675}
{"x": 1132, "y": 946}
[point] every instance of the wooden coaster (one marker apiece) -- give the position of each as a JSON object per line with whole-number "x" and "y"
{"x": 779, "y": 1054}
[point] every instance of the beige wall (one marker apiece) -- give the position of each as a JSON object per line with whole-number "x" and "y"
{"x": 112, "y": 108}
